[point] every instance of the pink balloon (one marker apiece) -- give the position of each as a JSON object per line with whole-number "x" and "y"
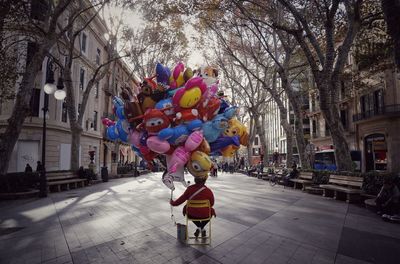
{"x": 157, "y": 145}
{"x": 180, "y": 67}
{"x": 134, "y": 138}
{"x": 178, "y": 159}
{"x": 194, "y": 140}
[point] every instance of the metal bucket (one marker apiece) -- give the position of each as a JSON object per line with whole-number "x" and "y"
{"x": 181, "y": 232}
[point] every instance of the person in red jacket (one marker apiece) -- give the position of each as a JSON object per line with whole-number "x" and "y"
{"x": 197, "y": 191}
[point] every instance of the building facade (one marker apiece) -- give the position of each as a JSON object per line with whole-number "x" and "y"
{"x": 370, "y": 114}
{"x": 91, "y": 45}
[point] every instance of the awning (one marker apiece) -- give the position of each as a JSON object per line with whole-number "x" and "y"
{"x": 123, "y": 150}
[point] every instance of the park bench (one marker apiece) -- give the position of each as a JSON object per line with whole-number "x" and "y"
{"x": 58, "y": 181}
{"x": 266, "y": 176}
{"x": 349, "y": 185}
{"x": 304, "y": 180}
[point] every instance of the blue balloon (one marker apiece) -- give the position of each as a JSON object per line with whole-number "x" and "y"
{"x": 112, "y": 133}
{"x": 178, "y": 135}
{"x": 213, "y": 129}
{"x": 117, "y": 101}
{"x": 123, "y": 129}
{"x": 223, "y": 142}
{"x": 137, "y": 151}
{"x": 120, "y": 112}
{"x": 163, "y": 74}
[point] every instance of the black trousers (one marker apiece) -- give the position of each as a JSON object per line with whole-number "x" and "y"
{"x": 201, "y": 224}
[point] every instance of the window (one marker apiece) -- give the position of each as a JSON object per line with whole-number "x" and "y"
{"x": 96, "y": 90}
{"x": 378, "y": 101}
{"x": 39, "y": 9}
{"x": 35, "y": 102}
{"x": 372, "y": 103}
{"x": 83, "y": 42}
{"x": 343, "y": 118}
{"x": 256, "y": 141}
{"x": 95, "y": 120}
{"x": 82, "y": 79}
{"x": 64, "y": 112}
{"x": 327, "y": 131}
{"x": 256, "y": 152}
{"x": 342, "y": 90}
{"x": 98, "y": 56}
{"x": 314, "y": 128}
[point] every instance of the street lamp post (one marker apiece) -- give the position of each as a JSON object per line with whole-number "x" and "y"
{"x": 59, "y": 94}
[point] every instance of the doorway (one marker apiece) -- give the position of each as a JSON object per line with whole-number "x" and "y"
{"x": 375, "y": 152}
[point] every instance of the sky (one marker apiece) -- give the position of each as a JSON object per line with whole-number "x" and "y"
{"x": 135, "y": 20}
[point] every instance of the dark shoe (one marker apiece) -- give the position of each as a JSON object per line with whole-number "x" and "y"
{"x": 203, "y": 233}
{"x": 196, "y": 234}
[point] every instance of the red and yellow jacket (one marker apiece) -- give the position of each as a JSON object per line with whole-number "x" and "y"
{"x": 205, "y": 194}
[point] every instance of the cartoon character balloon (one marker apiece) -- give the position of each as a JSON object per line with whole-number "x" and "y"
{"x": 181, "y": 117}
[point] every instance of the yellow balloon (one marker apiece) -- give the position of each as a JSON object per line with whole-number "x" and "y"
{"x": 190, "y": 98}
{"x": 199, "y": 164}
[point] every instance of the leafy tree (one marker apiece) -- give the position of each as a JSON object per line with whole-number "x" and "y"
{"x": 19, "y": 27}
{"x": 156, "y": 42}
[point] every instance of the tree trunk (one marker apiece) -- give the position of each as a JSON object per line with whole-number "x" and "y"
{"x": 296, "y": 106}
{"x": 76, "y": 128}
{"x": 330, "y": 113}
{"x": 289, "y": 140}
{"x": 301, "y": 142}
{"x": 9, "y": 138}
{"x": 264, "y": 140}
{"x": 261, "y": 133}
{"x": 76, "y": 133}
{"x": 251, "y": 140}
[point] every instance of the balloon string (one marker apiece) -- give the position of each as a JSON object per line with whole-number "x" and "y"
{"x": 172, "y": 210}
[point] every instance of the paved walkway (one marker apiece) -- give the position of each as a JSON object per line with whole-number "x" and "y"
{"x": 128, "y": 221}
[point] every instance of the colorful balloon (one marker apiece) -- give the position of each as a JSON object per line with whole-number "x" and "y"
{"x": 180, "y": 115}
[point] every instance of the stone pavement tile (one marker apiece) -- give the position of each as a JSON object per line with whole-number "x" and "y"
{"x": 222, "y": 230}
{"x": 373, "y": 224}
{"x": 340, "y": 259}
{"x": 244, "y": 216}
{"x": 309, "y": 213}
{"x": 60, "y": 260}
{"x": 322, "y": 203}
{"x": 80, "y": 257}
{"x": 324, "y": 257}
{"x": 324, "y": 236}
{"x": 359, "y": 209}
{"x": 205, "y": 260}
{"x": 369, "y": 247}
{"x": 303, "y": 255}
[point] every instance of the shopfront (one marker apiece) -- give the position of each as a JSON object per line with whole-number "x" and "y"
{"x": 375, "y": 152}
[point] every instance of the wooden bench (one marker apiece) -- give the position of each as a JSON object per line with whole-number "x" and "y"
{"x": 268, "y": 175}
{"x": 349, "y": 185}
{"x": 304, "y": 179}
{"x": 58, "y": 181}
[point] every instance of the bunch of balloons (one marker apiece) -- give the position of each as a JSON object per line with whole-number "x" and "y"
{"x": 179, "y": 115}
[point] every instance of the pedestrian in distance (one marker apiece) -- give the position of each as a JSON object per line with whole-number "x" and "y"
{"x": 39, "y": 167}
{"x": 28, "y": 168}
{"x": 293, "y": 174}
{"x": 260, "y": 169}
{"x": 197, "y": 191}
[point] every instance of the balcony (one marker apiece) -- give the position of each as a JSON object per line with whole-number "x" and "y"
{"x": 388, "y": 110}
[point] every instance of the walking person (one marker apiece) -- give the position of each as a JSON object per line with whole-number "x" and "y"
{"x": 28, "y": 168}
{"x": 197, "y": 191}
{"x": 260, "y": 169}
{"x": 39, "y": 167}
